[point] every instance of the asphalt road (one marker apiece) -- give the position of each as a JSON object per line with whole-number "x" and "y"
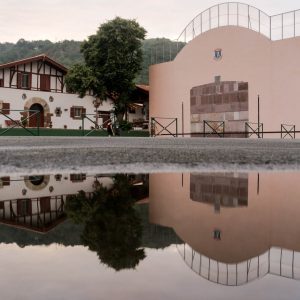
{"x": 39, "y": 155}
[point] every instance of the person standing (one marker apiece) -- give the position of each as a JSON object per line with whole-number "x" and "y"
{"x": 110, "y": 129}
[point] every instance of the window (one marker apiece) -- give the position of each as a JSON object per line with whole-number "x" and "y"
{"x": 77, "y": 112}
{"x": 23, "y": 207}
{"x": 24, "y": 81}
{"x": 217, "y": 234}
{"x": 77, "y": 177}
{"x": 45, "y": 81}
{"x": 5, "y": 108}
{"x": 1, "y": 82}
{"x": 131, "y": 109}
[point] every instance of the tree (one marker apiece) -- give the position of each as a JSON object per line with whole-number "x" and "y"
{"x": 113, "y": 57}
{"x": 112, "y": 226}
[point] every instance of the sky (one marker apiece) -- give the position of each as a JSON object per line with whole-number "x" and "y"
{"x": 57, "y": 20}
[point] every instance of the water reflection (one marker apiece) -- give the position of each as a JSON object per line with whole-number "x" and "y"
{"x": 112, "y": 227}
{"x": 257, "y": 231}
{"x": 231, "y": 228}
{"x": 110, "y": 213}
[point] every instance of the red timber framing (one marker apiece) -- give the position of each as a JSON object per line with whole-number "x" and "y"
{"x": 19, "y": 213}
{"x": 44, "y": 74}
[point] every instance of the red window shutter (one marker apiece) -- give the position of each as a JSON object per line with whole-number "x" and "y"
{"x": 42, "y": 82}
{"x": 83, "y": 112}
{"x": 24, "y": 207}
{"x": 6, "y": 108}
{"x": 19, "y": 80}
{"x": 72, "y": 112}
{"x": 45, "y": 204}
{"x": 30, "y": 81}
{"x": 1, "y": 82}
{"x": 48, "y": 81}
{"x": 45, "y": 82}
{"x": 5, "y": 181}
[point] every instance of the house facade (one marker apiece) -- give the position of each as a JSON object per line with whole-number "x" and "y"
{"x": 33, "y": 91}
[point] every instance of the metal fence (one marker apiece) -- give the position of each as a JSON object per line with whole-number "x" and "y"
{"x": 22, "y": 123}
{"x": 164, "y": 127}
{"x": 276, "y": 261}
{"x": 276, "y": 27}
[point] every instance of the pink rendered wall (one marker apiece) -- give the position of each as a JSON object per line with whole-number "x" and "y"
{"x": 272, "y": 70}
{"x": 271, "y": 218}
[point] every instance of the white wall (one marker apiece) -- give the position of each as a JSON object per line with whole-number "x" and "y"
{"x": 64, "y": 101}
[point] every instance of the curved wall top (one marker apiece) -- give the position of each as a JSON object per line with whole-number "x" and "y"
{"x": 277, "y": 27}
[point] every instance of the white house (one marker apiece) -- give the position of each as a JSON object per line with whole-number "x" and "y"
{"x": 38, "y": 84}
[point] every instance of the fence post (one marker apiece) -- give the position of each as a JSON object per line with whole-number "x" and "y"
{"x": 152, "y": 128}
{"x": 82, "y": 126}
{"x": 38, "y": 124}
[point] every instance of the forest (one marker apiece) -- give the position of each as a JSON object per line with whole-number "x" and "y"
{"x": 68, "y": 53}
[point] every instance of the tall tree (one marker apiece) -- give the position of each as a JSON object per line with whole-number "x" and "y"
{"x": 113, "y": 57}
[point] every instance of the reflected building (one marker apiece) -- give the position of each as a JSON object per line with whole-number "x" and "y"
{"x": 38, "y": 202}
{"x": 220, "y": 189}
{"x": 256, "y": 232}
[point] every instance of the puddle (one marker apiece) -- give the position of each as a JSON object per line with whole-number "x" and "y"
{"x": 165, "y": 236}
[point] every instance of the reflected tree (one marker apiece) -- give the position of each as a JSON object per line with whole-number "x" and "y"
{"x": 112, "y": 226}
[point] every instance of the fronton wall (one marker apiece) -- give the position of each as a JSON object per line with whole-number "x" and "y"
{"x": 271, "y": 70}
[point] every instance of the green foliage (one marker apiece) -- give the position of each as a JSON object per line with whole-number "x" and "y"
{"x": 68, "y": 53}
{"x": 81, "y": 79}
{"x": 113, "y": 56}
{"x": 112, "y": 227}
{"x": 65, "y": 52}
{"x": 124, "y": 125}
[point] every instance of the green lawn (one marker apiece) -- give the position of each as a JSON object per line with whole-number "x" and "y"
{"x": 66, "y": 132}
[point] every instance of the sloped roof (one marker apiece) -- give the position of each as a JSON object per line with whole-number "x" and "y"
{"x": 42, "y": 57}
{"x": 143, "y": 87}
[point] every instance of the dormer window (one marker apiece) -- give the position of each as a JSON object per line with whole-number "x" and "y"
{"x": 24, "y": 81}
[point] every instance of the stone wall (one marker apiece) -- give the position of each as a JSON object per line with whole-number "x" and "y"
{"x": 220, "y": 189}
{"x": 224, "y": 101}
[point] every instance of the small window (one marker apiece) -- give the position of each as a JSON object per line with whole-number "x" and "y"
{"x": 131, "y": 110}
{"x": 217, "y": 234}
{"x": 77, "y": 112}
{"x": 77, "y": 177}
{"x": 24, "y": 81}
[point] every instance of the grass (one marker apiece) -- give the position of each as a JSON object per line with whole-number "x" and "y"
{"x": 67, "y": 132}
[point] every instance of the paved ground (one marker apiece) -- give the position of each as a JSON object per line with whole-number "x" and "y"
{"x": 50, "y": 155}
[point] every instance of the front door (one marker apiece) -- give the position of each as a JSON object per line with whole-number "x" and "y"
{"x": 35, "y": 118}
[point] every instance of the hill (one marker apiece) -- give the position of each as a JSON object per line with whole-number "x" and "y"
{"x": 68, "y": 52}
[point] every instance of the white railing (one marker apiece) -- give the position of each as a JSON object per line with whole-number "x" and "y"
{"x": 276, "y": 261}
{"x": 277, "y": 27}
